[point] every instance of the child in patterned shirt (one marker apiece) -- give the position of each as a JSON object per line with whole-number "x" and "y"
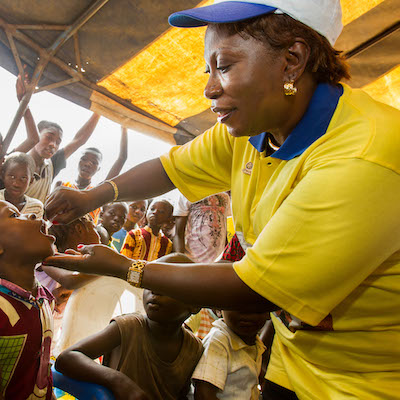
{"x": 231, "y": 362}
{"x": 26, "y": 307}
{"x": 149, "y": 243}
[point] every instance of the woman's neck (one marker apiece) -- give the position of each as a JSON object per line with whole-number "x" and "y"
{"x": 296, "y": 108}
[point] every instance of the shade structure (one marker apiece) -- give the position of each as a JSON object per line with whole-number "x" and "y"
{"x": 121, "y": 59}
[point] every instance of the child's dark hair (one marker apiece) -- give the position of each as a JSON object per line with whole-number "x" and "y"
{"x": 94, "y": 150}
{"x": 105, "y": 206}
{"x": 19, "y": 158}
{"x": 1, "y": 139}
{"x": 165, "y": 201}
{"x": 49, "y": 125}
{"x": 61, "y": 231}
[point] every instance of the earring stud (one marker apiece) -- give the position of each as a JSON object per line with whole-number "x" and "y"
{"x": 289, "y": 88}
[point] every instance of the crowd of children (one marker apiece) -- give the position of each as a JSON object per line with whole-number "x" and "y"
{"x": 146, "y": 346}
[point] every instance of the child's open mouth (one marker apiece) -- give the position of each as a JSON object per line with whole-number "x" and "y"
{"x": 44, "y": 229}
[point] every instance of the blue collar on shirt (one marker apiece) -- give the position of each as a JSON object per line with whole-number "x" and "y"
{"x": 311, "y": 127}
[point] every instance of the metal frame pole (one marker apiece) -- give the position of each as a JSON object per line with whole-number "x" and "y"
{"x": 44, "y": 59}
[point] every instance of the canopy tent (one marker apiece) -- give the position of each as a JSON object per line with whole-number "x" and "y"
{"x": 120, "y": 58}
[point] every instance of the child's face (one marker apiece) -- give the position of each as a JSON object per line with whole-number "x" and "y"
{"x": 23, "y": 238}
{"x": 16, "y": 179}
{"x": 164, "y": 309}
{"x": 159, "y": 213}
{"x": 114, "y": 217}
{"x": 137, "y": 209}
{"x": 245, "y": 325}
{"x": 83, "y": 232}
{"x": 89, "y": 234}
{"x": 88, "y": 165}
{"x": 50, "y": 140}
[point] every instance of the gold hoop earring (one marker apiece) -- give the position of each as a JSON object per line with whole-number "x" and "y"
{"x": 289, "y": 89}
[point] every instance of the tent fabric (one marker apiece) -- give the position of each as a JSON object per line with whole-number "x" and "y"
{"x": 142, "y": 73}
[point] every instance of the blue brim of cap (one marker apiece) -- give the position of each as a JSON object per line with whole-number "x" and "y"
{"x": 228, "y": 11}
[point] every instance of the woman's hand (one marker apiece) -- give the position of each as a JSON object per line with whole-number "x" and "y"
{"x": 66, "y": 204}
{"x": 92, "y": 259}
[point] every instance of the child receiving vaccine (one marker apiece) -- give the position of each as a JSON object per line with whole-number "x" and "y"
{"x": 26, "y": 307}
{"x": 17, "y": 173}
{"x": 148, "y": 356}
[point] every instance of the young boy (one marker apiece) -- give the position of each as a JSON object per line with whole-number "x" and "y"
{"x": 137, "y": 210}
{"x": 49, "y": 160}
{"x": 25, "y": 307}
{"x": 89, "y": 164}
{"x": 17, "y": 174}
{"x": 149, "y": 243}
{"x": 231, "y": 363}
{"x": 112, "y": 218}
{"x": 152, "y": 356}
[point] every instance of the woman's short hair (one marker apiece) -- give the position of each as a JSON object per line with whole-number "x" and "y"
{"x": 19, "y": 158}
{"x": 280, "y": 31}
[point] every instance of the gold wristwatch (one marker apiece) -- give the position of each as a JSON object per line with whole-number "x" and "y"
{"x": 135, "y": 273}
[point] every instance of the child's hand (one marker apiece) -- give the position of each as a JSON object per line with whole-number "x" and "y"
{"x": 125, "y": 389}
{"x": 21, "y": 85}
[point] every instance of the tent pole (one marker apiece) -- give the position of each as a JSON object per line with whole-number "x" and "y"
{"x": 62, "y": 38}
{"x": 41, "y": 65}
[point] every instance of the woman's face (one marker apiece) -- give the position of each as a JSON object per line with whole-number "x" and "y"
{"x": 245, "y": 83}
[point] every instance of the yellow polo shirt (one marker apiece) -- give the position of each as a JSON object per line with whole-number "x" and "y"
{"x": 323, "y": 221}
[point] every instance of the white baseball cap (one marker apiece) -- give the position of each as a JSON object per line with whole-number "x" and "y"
{"x": 324, "y": 16}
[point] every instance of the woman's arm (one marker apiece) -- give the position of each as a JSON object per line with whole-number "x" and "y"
{"x": 68, "y": 279}
{"x": 77, "y": 363}
{"x": 141, "y": 182}
{"x": 211, "y": 285}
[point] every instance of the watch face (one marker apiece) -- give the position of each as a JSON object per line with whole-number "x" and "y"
{"x": 134, "y": 276}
